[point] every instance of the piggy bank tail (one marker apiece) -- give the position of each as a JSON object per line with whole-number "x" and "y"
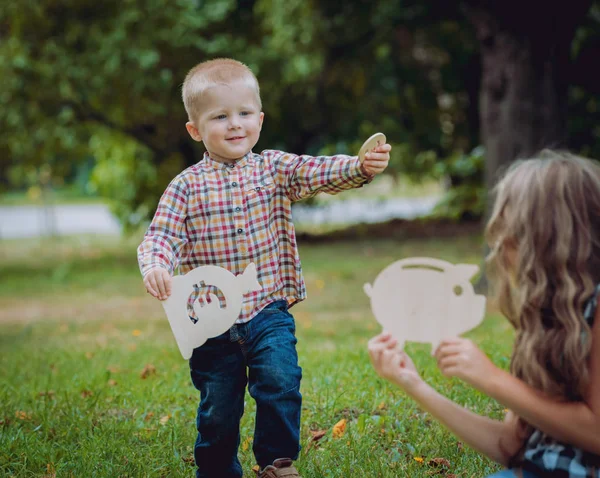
{"x": 368, "y": 288}
{"x": 249, "y": 279}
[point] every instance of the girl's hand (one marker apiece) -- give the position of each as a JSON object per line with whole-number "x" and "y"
{"x": 513, "y": 435}
{"x": 377, "y": 160}
{"x": 391, "y": 363}
{"x": 458, "y": 357}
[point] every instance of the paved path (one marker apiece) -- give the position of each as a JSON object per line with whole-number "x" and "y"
{"x": 35, "y": 221}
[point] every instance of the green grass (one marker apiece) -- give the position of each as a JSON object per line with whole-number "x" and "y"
{"x": 77, "y": 332}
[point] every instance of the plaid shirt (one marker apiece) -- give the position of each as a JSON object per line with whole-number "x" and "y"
{"x": 229, "y": 215}
{"x": 548, "y": 457}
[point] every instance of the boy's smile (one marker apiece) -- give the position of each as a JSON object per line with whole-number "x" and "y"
{"x": 236, "y": 139}
{"x": 230, "y": 122}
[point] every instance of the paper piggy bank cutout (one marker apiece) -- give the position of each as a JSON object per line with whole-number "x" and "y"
{"x": 420, "y": 299}
{"x": 212, "y": 319}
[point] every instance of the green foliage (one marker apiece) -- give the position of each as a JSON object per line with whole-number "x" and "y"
{"x": 466, "y": 195}
{"x": 78, "y": 73}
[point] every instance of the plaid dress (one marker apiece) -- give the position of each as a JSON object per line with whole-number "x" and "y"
{"x": 230, "y": 215}
{"x": 547, "y": 457}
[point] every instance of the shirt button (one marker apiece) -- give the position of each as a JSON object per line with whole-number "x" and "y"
{"x": 240, "y": 230}
{"x": 234, "y": 184}
{"x": 257, "y": 190}
{"x": 238, "y": 209}
{"x": 230, "y": 165}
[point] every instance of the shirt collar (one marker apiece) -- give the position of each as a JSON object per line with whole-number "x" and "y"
{"x": 228, "y": 166}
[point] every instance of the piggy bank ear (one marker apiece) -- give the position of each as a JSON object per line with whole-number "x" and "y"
{"x": 465, "y": 271}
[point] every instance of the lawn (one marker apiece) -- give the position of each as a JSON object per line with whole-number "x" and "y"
{"x": 92, "y": 382}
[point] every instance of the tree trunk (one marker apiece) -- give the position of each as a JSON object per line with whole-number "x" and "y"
{"x": 525, "y": 55}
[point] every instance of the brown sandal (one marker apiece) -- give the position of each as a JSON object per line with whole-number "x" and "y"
{"x": 282, "y": 467}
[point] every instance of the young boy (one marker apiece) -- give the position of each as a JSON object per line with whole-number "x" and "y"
{"x": 230, "y": 209}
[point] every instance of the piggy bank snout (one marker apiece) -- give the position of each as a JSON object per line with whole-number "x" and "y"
{"x": 476, "y": 312}
{"x": 478, "y": 306}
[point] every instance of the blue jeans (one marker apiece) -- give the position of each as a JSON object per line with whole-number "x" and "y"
{"x": 265, "y": 347}
{"x": 512, "y": 474}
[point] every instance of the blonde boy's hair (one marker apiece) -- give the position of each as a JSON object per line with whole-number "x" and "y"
{"x": 220, "y": 71}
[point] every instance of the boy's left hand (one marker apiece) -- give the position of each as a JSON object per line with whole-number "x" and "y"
{"x": 461, "y": 358}
{"x": 377, "y": 160}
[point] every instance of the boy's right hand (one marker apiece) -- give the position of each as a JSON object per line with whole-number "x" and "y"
{"x": 158, "y": 283}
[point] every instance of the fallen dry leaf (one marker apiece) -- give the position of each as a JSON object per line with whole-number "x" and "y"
{"x": 149, "y": 369}
{"x": 316, "y": 435}
{"x": 165, "y": 419}
{"x": 49, "y": 393}
{"x": 442, "y": 462}
{"x": 418, "y": 459}
{"x": 246, "y": 443}
{"x": 112, "y": 383}
{"x": 21, "y": 415}
{"x": 136, "y": 333}
{"x": 148, "y": 416}
{"x": 86, "y": 393}
{"x": 339, "y": 428}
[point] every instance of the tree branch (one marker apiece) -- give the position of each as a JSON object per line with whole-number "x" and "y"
{"x": 139, "y": 132}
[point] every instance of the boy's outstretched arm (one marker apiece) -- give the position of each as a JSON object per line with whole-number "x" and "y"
{"x": 496, "y": 439}
{"x": 164, "y": 241}
{"x": 305, "y": 176}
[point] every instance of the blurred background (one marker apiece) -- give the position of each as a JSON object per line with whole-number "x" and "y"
{"x": 92, "y": 124}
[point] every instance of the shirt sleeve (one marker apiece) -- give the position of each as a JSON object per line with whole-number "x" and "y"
{"x": 305, "y": 176}
{"x": 166, "y": 237}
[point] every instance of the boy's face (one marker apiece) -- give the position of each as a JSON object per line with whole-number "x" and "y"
{"x": 230, "y": 122}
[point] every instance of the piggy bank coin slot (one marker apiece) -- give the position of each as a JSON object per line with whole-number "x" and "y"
{"x": 424, "y": 266}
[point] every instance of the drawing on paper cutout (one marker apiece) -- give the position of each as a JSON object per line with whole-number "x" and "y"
{"x": 212, "y": 319}
{"x": 421, "y": 299}
{"x": 201, "y": 297}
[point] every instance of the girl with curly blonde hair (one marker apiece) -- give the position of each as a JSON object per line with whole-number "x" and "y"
{"x": 544, "y": 236}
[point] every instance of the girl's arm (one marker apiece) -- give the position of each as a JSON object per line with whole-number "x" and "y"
{"x": 577, "y": 423}
{"x": 495, "y": 439}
